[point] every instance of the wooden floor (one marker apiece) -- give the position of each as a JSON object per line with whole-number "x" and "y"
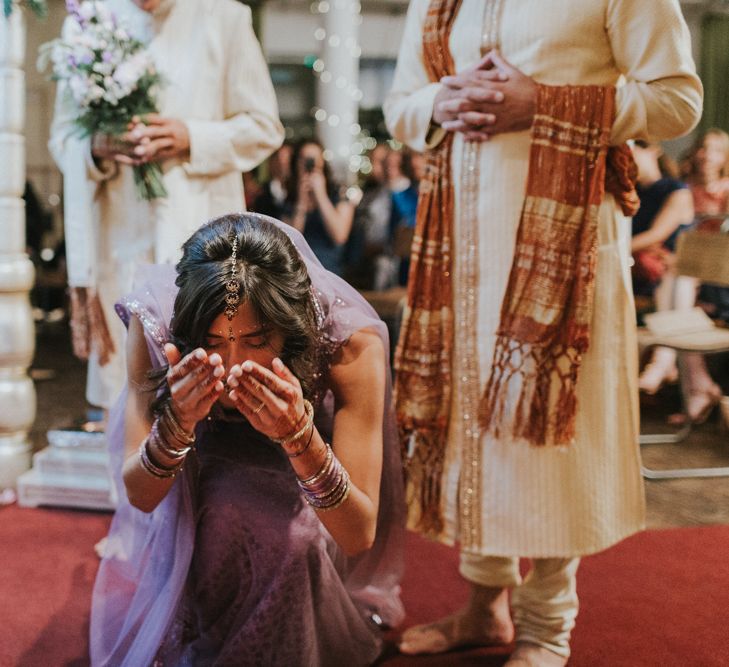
{"x": 689, "y": 502}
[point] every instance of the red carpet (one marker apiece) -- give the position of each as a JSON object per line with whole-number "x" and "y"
{"x": 658, "y": 599}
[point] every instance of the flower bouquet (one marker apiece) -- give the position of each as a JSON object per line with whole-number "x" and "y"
{"x": 110, "y": 76}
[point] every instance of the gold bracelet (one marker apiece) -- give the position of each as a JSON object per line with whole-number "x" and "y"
{"x": 337, "y": 503}
{"x": 301, "y": 450}
{"x": 322, "y": 471}
{"x": 309, "y": 412}
{"x": 157, "y": 437}
{"x": 153, "y": 468}
{"x": 174, "y": 426}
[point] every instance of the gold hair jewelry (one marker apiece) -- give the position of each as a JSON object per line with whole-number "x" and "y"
{"x": 232, "y": 287}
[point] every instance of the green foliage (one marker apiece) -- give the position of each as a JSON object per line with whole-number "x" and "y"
{"x": 38, "y": 7}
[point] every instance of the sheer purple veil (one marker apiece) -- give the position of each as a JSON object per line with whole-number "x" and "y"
{"x": 143, "y": 573}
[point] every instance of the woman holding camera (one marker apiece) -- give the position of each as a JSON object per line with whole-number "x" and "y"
{"x": 315, "y": 208}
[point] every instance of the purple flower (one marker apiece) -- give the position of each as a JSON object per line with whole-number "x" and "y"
{"x": 72, "y": 6}
{"x": 106, "y": 56}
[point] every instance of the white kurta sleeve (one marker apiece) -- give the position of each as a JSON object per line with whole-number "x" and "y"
{"x": 408, "y": 108}
{"x": 251, "y": 129}
{"x": 662, "y": 97}
{"x": 81, "y": 177}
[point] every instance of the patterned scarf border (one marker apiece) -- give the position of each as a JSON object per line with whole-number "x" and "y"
{"x": 422, "y": 358}
{"x": 547, "y": 309}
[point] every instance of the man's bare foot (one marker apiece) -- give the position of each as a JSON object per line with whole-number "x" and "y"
{"x": 531, "y": 655}
{"x": 485, "y": 621}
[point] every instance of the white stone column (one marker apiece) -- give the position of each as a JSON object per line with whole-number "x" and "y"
{"x": 17, "y": 335}
{"x": 338, "y": 94}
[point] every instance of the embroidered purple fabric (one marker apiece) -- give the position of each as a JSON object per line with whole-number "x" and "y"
{"x": 233, "y": 567}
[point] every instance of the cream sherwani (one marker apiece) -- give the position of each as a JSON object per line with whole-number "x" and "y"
{"x": 505, "y": 498}
{"x": 218, "y": 83}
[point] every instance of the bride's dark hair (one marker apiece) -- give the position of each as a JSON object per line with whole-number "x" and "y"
{"x": 273, "y": 280}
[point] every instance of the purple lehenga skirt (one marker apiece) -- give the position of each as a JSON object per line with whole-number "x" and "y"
{"x": 265, "y": 585}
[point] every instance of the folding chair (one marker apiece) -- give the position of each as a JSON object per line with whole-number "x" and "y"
{"x": 704, "y": 256}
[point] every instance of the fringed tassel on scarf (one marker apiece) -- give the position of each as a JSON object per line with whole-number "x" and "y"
{"x": 547, "y": 309}
{"x": 424, "y": 477}
{"x": 530, "y": 415}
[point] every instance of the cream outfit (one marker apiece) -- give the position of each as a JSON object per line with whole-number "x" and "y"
{"x": 500, "y": 497}
{"x": 544, "y": 603}
{"x": 217, "y": 82}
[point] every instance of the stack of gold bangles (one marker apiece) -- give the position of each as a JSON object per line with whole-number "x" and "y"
{"x": 182, "y": 443}
{"x": 329, "y": 487}
{"x": 286, "y": 441}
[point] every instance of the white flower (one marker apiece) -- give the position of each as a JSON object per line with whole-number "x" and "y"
{"x": 127, "y": 75}
{"x": 103, "y": 14}
{"x": 86, "y": 10}
{"x": 95, "y": 93}
{"x": 79, "y": 89}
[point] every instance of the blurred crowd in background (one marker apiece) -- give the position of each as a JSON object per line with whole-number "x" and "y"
{"x": 676, "y": 197}
{"x": 363, "y": 232}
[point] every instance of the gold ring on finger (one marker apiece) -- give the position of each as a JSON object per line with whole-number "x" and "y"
{"x": 259, "y": 408}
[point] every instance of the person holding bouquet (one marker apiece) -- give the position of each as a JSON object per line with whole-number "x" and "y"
{"x": 133, "y": 196}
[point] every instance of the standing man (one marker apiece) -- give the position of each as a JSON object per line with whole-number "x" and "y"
{"x": 217, "y": 117}
{"x": 517, "y": 369}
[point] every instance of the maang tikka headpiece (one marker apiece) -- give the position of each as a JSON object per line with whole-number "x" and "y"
{"x": 232, "y": 287}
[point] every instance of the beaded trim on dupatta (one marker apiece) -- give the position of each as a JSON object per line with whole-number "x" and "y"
{"x": 467, "y": 374}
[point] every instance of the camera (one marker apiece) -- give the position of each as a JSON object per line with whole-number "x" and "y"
{"x": 309, "y": 164}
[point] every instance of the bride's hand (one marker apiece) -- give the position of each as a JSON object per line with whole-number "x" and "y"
{"x": 271, "y": 400}
{"x": 195, "y": 383}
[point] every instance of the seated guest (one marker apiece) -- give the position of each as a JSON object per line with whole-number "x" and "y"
{"x": 251, "y": 188}
{"x": 384, "y": 222}
{"x": 707, "y": 174}
{"x": 371, "y": 225}
{"x": 260, "y": 511}
{"x": 315, "y": 208}
{"x": 404, "y": 171}
{"x": 271, "y": 200}
{"x": 666, "y": 207}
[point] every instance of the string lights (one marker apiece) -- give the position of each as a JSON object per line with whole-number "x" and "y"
{"x": 337, "y": 69}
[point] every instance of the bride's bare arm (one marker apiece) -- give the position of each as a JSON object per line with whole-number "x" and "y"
{"x": 144, "y": 492}
{"x": 195, "y": 385}
{"x": 358, "y": 382}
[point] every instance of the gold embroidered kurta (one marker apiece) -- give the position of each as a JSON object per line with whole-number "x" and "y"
{"x": 502, "y": 497}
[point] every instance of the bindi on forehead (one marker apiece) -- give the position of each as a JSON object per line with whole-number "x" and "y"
{"x": 231, "y": 333}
